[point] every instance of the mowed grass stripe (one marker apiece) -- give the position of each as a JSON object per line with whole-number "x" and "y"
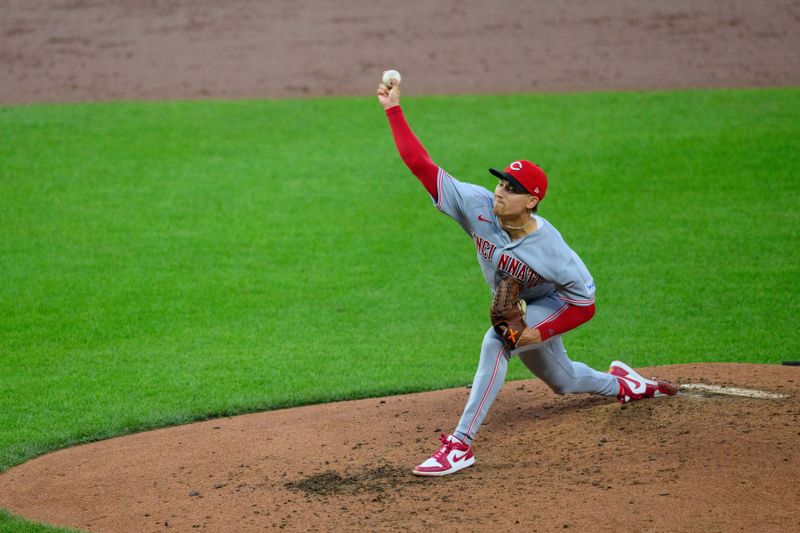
{"x": 168, "y": 262}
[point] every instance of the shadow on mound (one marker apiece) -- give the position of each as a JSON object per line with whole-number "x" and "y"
{"x": 371, "y": 480}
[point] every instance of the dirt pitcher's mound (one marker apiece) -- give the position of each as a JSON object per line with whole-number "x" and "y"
{"x": 700, "y": 461}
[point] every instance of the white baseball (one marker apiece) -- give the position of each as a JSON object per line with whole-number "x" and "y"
{"x": 389, "y": 75}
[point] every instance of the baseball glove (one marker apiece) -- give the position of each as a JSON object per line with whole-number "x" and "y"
{"x": 507, "y": 312}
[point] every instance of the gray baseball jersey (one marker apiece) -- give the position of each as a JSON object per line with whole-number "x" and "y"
{"x": 541, "y": 260}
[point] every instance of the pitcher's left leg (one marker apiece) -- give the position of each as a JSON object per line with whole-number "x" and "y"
{"x": 489, "y": 379}
{"x": 456, "y": 451}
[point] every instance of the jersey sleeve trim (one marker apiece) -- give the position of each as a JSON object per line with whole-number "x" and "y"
{"x": 438, "y": 199}
{"x": 553, "y": 316}
{"x": 576, "y": 302}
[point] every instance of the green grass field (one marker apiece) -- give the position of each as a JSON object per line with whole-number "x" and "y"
{"x": 168, "y": 262}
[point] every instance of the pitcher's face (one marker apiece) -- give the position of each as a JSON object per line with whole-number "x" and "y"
{"x": 510, "y": 201}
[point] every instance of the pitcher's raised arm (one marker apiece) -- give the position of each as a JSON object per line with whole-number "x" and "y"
{"x": 411, "y": 150}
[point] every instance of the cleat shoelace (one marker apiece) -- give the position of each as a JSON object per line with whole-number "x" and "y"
{"x": 447, "y": 446}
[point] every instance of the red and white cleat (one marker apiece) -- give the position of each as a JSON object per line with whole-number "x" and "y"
{"x": 453, "y": 456}
{"x": 632, "y": 386}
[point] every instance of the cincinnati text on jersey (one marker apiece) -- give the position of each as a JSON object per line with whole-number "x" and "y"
{"x": 507, "y": 263}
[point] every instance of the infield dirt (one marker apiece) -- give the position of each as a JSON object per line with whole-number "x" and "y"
{"x": 80, "y": 50}
{"x": 691, "y": 462}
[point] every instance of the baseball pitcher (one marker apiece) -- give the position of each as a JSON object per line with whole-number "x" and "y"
{"x": 541, "y": 288}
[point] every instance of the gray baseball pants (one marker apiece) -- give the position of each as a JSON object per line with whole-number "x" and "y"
{"x": 548, "y": 361}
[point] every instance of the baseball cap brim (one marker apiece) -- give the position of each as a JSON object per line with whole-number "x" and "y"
{"x": 509, "y": 178}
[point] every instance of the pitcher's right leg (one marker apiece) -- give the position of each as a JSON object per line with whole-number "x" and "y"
{"x": 549, "y": 362}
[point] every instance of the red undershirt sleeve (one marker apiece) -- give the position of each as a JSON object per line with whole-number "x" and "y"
{"x": 572, "y": 317}
{"x": 412, "y": 152}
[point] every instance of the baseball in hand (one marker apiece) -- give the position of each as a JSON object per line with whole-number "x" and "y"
{"x": 389, "y": 75}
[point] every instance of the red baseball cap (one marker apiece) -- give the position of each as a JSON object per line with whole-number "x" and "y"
{"x": 526, "y": 176}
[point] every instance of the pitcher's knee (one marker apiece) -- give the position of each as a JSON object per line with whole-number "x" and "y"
{"x": 563, "y": 387}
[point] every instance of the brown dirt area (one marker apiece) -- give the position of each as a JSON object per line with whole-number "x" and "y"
{"x": 84, "y": 50}
{"x": 693, "y": 462}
